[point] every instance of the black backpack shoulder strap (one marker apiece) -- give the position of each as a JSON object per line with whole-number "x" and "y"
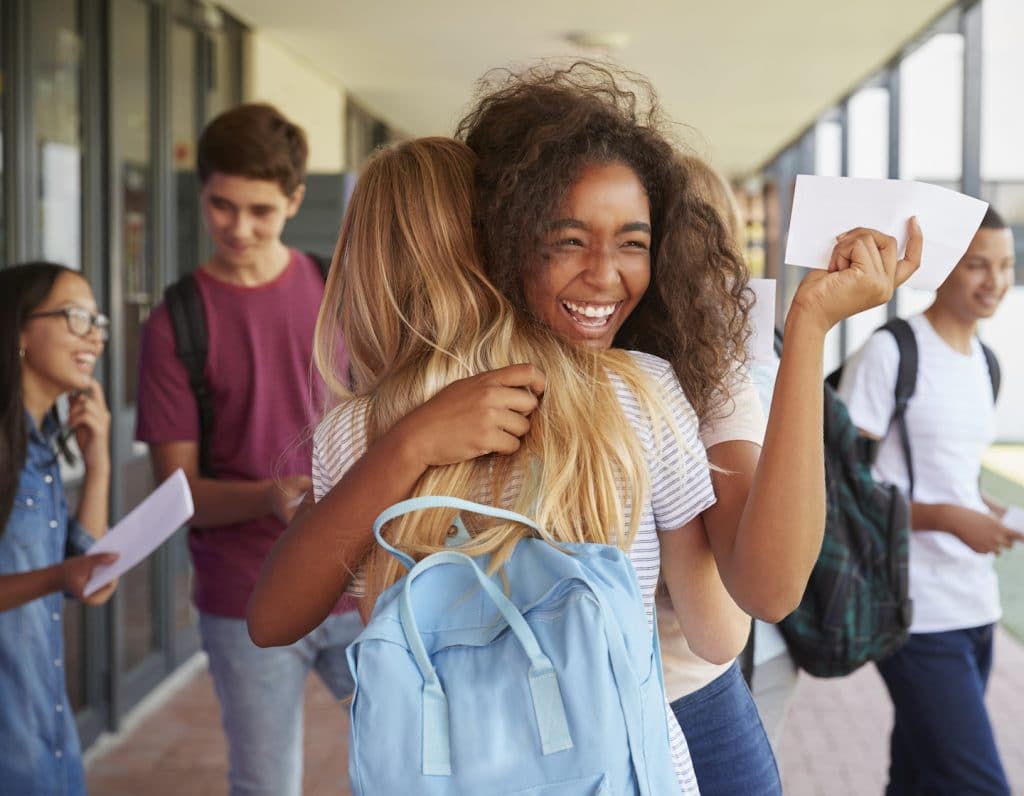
{"x": 188, "y": 320}
{"x": 323, "y": 263}
{"x": 994, "y": 372}
{"x": 906, "y": 383}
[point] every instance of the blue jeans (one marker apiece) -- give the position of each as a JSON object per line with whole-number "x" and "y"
{"x": 942, "y": 740}
{"x": 729, "y": 747}
{"x": 261, "y": 697}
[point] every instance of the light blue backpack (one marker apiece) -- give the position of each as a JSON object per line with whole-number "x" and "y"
{"x": 553, "y": 690}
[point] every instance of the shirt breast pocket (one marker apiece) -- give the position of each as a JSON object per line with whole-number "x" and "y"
{"x": 28, "y": 526}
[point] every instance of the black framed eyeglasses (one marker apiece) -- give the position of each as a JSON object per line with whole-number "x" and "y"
{"x": 80, "y": 321}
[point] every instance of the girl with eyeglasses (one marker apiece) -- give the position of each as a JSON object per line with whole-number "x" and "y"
{"x": 51, "y": 336}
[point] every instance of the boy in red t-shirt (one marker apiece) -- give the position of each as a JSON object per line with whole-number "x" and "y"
{"x": 261, "y": 301}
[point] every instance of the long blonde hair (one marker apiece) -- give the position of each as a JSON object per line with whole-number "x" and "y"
{"x": 408, "y": 295}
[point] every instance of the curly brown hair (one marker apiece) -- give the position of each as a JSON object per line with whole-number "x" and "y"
{"x": 534, "y": 132}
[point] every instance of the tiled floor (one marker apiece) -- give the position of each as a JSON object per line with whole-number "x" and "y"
{"x": 833, "y": 743}
{"x": 178, "y": 749}
{"x": 836, "y": 736}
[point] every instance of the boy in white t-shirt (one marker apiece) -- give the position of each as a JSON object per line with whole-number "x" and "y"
{"x": 942, "y": 741}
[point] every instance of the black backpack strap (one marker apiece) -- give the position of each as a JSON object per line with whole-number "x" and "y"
{"x": 188, "y": 320}
{"x": 324, "y": 264}
{"x": 994, "y": 372}
{"x": 906, "y": 383}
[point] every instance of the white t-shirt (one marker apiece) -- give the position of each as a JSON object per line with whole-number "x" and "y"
{"x": 680, "y": 489}
{"x": 950, "y": 422}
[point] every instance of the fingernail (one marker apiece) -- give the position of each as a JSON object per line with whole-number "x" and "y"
{"x": 842, "y": 235}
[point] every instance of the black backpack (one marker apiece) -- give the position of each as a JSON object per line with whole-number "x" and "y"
{"x": 191, "y": 339}
{"x": 856, "y": 607}
{"x": 906, "y": 384}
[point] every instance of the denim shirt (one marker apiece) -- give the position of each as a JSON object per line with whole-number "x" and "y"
{"x": 38, "y": 738}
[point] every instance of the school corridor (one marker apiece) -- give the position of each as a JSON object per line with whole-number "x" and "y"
{"x": 833, "y": 740}
{"x": 833, "y": 743}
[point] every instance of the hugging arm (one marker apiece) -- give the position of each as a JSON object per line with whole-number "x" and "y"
{"x": 716, "y": 628}
{"x": 312, "y": 563}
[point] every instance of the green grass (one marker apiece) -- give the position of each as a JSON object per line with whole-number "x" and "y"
{"x": 1009, "y": 565}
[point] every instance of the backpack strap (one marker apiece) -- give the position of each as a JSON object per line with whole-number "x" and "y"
{"x": 404, "y": 507}
{"x": 548, "y": 705}
{"x": 995, "y": 374}
{"x": 906, "y": 383}
{"x": 188, "y": 320}
{"x": 324, "y": 264}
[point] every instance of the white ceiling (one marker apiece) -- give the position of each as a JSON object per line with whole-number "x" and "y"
{"x": 743, "y": 76}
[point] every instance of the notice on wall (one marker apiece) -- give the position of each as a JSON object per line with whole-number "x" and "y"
{"x": 824, "y": 207}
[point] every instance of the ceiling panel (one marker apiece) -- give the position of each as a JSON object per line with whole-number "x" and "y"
{"x": 741, "y": 77}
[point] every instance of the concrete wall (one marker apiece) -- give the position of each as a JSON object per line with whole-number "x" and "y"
{"x": 275, "y": 75}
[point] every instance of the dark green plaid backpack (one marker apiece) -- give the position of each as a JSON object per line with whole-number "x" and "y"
{"x": 856, "y": 607}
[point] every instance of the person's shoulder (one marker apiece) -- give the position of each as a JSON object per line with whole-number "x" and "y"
{"x": 652, "y": 365}
{"x": 344, "y": 425}
{"x": 881, "y": 344}
{"x": 158, "y": 324}
{"x": 309, "y": 263}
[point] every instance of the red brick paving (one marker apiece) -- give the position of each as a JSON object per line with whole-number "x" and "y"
{"x": 836, "y": 737}
{"x": 834, "y": 742}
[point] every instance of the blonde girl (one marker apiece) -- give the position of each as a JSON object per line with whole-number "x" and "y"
{"x": 442, "y": 405}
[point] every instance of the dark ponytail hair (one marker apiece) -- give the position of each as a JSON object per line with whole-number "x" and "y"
{"x": 22, "y": 289}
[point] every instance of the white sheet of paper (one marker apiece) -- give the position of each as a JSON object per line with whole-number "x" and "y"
{"x": 143, "y": 529}
{"x": 1014, "y": 519}
{"x": 824, "y": 207}
{"x": 762, "y": 321}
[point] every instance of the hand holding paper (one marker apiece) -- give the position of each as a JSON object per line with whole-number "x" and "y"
{"x": 864, "y": 270}
{"x": 1014, "y": 520}
{"x": 143, "y": 530}
{"x": 824, "y": 207}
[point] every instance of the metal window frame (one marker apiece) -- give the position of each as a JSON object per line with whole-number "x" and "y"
{"x": 964, "y": 17}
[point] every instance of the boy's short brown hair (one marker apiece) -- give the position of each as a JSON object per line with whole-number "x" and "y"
{"x": 256, "y": 141}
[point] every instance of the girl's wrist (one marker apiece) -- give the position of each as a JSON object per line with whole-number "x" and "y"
{"x": 406, "y": 448}
{"x": 802, "y": 321}
{"x": 58, "y": 579}
{"x": 97, "y": 466}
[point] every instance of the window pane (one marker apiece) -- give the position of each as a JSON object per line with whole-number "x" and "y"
{"x": 931, "y": 127}
{"x": 932, "y": 109}
{"x": 132, "y": 141}
{"x": 868, "y": 120}
{"x": 828, "y": 149}
{"x": 1002, "y": 116}
{"x": 184, "y": 46}
{"x": 184, "y": 58}
{"x": 222, "y": 90}
{"x": 56, "y": 98}
{"x": 131, "y": 111}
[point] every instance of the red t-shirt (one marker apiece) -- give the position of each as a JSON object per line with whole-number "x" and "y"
{"x": 267, "y": 398}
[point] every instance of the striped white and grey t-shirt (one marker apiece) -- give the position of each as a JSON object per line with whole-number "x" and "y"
{"x": 680, "y": 488}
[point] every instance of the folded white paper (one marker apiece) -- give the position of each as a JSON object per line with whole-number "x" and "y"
{"x": 143, "y": 529}
{"x": 824, "y": 207}
{"x": 1014, "y": 519}
{"x": 762, "y": 321}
